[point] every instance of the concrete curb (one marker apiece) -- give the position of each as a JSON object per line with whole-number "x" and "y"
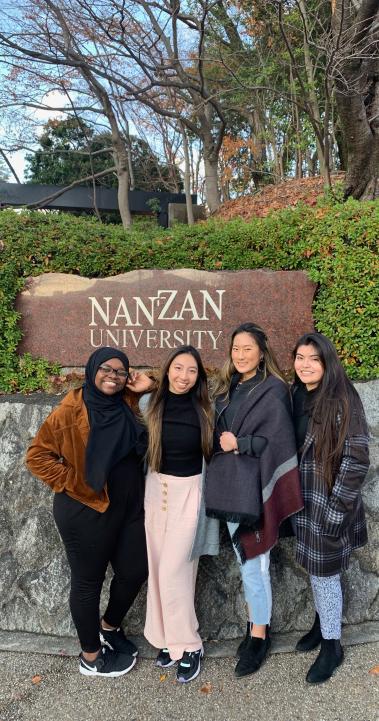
{"x": 21, "y": 642}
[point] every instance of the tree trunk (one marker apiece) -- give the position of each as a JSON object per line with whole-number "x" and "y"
{"x": 120, "y": 155}
{"x": 212, "y": 192}
{"x": 362, "y": 178}
{"x": 132, "y": 182}
{"x": 255, "y": 119}
{"x": 357, "y": 96}
{"x": 362, "y": 136}
{"x": 299, "y": 155}
{"x": 119, "y": 149}
{"x": 187, "y": 177}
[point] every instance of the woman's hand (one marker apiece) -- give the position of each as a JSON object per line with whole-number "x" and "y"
{"x": 140, "y": 382}
{"x": 228, "y": 442}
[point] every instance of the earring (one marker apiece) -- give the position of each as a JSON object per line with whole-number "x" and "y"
{"x": 261, "y": 364}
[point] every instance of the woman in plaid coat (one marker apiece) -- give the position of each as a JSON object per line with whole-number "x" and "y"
{"x": 332, "y": 441}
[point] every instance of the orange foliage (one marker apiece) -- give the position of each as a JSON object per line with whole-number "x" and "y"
{"x": 275, "y": 197}
{"x": 235, "y": 158}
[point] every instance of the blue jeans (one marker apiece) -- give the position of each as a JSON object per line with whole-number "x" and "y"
{"x": 255, "y": 574}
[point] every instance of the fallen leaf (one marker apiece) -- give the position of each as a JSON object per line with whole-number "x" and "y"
{"x": 374, "y": 671}
{"x": 274, "y": 197}
{"x": 36, "y": 679}
{"x": 163, "y": 676}
{"x": 206, "y": 687}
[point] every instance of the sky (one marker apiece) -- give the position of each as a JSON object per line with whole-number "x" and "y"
{"x": 53, "y": 99}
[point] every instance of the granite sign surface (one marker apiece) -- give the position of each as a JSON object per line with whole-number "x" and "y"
{"x": 147, "y": 313}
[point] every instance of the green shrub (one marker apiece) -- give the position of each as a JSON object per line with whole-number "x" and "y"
{"x": 335, "y": 244}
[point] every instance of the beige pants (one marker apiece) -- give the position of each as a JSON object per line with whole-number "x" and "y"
{"x": 171, "y": 511}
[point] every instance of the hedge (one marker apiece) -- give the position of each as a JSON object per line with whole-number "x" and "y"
{"x": 336, "y": 246}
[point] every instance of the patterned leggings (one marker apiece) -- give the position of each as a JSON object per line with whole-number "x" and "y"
{"x": 327, "y": 596}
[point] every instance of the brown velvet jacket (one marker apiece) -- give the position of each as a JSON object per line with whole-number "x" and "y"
{"x": 57, "y": 453}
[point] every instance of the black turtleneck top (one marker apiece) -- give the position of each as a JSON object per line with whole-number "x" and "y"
{"x": 181, "y": 436}
{"x": 302, "y": 410}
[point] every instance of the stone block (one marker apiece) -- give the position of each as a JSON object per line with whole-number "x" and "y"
{"x": 34, "y": 574}
{"x": 177, "y": 213}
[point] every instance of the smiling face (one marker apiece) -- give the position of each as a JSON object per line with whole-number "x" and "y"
{"x": 182, "y": 373}
{"x": 308, "y": 366}
{"x": 246, "y": 355}
{"x": 106, "y": 380}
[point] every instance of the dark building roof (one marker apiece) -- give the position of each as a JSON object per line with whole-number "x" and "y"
{"x": 81, "y": 198}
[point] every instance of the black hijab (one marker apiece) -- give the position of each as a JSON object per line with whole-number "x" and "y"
{"x": 113, "y": 426}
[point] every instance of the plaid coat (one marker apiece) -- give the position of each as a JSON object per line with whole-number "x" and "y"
{"x": 332, "y": 524}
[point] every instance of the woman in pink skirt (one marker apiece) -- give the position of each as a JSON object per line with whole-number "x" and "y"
{"x": 179, "y": 419}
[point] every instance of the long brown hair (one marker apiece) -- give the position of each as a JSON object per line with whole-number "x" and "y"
{"x": 269, "y": 363}
{"x": 202, "y": 405}
{"x": 332, "y": 405}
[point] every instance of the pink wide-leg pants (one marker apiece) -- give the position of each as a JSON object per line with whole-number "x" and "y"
{"x": 171, "y": 510}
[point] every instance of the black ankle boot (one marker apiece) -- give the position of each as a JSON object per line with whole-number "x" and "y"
{"x": 244, "y": 641}
{"x": 311, "y": 639}
{"x": 253, "y": 655}
{"x": 329, "y": 658}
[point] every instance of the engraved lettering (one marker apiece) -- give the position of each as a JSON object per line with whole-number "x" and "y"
{"x": 96, "y": 306}
{"x": 162, "y": 314}
{"x": 135, "y": 341}
{"x": 207, "y": 298}
{"x": 122, "y": 312}
{"x": 189, "y": 307}
{"x": 214, "y": 340}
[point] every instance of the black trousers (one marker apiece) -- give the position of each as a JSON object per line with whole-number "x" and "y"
{"x": 93, "y": 539}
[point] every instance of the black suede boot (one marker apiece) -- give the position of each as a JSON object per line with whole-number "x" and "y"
{"x": 253, "y": 655}
{"x": 244, "y": 641}
{"x": 311, "y": 639}
{"x": 329, "y": 658}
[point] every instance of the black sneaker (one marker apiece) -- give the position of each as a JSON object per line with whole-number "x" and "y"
{"x": 164, "y": 659}
{"x": 189, "y": 666}
{"x": 108, "y": 664}
{"x": 117, "y": 641}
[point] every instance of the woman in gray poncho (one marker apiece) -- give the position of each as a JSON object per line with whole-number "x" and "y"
{"x": 252, "y": 479}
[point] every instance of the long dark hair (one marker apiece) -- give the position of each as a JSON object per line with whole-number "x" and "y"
{"x": 269, "y": 362}
{"x": 156, "y": 408}
{"x": 331, "y": 407}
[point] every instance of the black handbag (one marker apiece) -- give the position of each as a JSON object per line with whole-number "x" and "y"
{"x": 233, "y": 489}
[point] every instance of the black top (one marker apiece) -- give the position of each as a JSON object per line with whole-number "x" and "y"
{"x": 239, "y": 391}
{"x": 181, "y": 437}
{"x": 302, "y": 410}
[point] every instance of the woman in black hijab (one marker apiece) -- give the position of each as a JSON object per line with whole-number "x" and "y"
{"x": 89, "y": 452}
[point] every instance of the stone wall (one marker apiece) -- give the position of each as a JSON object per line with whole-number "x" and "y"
{"x": 34, "y": 577}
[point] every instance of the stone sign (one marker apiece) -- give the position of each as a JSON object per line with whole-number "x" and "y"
{"x": 146, "y": 313}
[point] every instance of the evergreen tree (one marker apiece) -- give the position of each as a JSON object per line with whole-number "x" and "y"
{"x": 67, "y": 148}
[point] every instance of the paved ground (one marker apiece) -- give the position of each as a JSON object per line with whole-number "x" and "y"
{"x": 278, "y": 692}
